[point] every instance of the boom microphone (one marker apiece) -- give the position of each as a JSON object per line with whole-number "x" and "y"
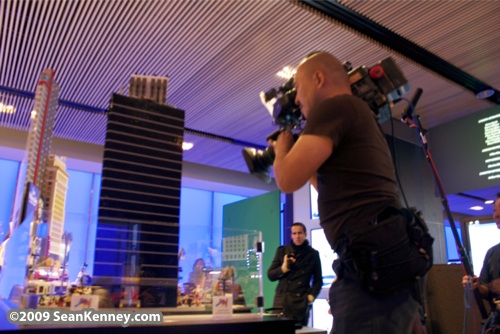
{"x": 408, "y": 110}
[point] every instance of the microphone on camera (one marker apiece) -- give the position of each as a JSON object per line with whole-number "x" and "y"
{"x": 406, "y": 116}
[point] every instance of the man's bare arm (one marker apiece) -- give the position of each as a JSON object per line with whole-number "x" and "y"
{"x": 295, "y": 164}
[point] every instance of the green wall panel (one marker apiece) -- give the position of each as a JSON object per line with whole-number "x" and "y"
{"x": 261, "y": 213}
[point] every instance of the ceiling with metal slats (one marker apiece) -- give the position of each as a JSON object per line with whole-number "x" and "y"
{"x": 220, "y": 54}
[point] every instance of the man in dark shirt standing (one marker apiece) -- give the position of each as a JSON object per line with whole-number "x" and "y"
{"x": 488, "y": 283}
{"x": 345, "y": 156}
{"x": 297, "y": 266}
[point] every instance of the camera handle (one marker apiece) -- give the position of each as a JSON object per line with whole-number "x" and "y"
{"x": 414, "y": 122}
{"x": 275, "y": 134}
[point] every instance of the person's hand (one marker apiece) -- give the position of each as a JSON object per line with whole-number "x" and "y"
{"x": 284, "y": 266}
{"x": 473, "y": 282}
{"x": 283, "y": 144}
{"x": 310, "y": 299}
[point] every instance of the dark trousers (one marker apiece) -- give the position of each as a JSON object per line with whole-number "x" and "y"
{"x": 354, "y": 311}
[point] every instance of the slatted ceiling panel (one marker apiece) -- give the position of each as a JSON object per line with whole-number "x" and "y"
{"x": 217, "y": 67}
{"x": 431, "y": 118}
{"x": 23, "y": 78}
{"x": 133, "y": 42}
{"x": 433, "y": 114}
{"x": 25, "y": 72}
{"x": 348, "y": 42}
{"x": 53, "y": 23}
{"x": 34, "y": 42}
{"x": 73, "y": 61}
{"x": 219, "y": 55}
{"x": 479, "y": 60}
{"x": 65, "y": 26}
{"x": 91, "y": 45}
{"x": 412, "y": 12}
{"x": 17, "y": 41}
{"x": 77, "y": 58}
{"x": 82, "y": 62}
{"x": 38, "y": 33}
{"x": 9, "y": 24}
{"x": 247, "y": 52}
{"x": 443, "y": 27}
{"x": 5, "y": 42}
{"x": 134, "y": 46}
{"x": 439, "y": 95}
{"x": 71, "y": 123}
{"x": 394, "y": 13}
{"x": 19, "y": 120}
{"x": 442, "y": 100}
{"x": 208, "y": 39}
{"x": 13, "y": 55}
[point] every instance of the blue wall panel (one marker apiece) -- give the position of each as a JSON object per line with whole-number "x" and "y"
{"x": 78, "y": 214}
{"x": 9, "y": 170}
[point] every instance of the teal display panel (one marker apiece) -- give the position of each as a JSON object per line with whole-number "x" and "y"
{"x": 260, "y": 213}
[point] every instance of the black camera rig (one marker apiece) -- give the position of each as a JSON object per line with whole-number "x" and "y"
{"x": 379, "y": 86}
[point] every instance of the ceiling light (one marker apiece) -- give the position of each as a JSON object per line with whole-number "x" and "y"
{"x": 476, "y": 208}
{"x": 8, "y": 109}
{"x": 187, "y": 146}
{"x": 490, "y": 201}
{"x": 486, "y": 93}
{"x": 286, "y": 73}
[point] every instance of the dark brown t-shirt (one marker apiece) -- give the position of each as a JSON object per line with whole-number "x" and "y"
{"x": 357, "y": 181}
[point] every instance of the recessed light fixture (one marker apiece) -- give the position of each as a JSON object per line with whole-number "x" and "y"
{"x": 490, "y": 201}
{"x": 486, "y": 93}
{"x": 286, "y": 73}
{"x": 476, "y": 208}
{"x": 7, "y": 109}
{"x": 187, "y": 146}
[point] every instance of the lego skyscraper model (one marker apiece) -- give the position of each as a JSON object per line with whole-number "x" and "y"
{"x": 38, "y": 143}
{"x": 16, "y": 250}
{"x": 149, "y": 88}
{"x": 54, "y": 194}
{"x": 138, "y": 229}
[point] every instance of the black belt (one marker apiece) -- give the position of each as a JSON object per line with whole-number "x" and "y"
{"x": 387, "y": 213}
{"x": 340, "y": 246}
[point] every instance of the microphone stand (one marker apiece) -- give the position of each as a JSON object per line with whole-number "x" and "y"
{"x": 408, "y": 119}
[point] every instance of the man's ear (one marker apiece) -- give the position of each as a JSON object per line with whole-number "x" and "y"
{"x": 319, "y": 78}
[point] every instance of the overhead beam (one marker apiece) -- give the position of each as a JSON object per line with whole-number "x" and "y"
{"x": 65, "y": 103}
{"x": 401, "y": 45}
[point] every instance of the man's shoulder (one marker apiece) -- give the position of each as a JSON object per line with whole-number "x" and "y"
{"x": 282, "y": 248}
{"x": 493, "y": 251}
{"x": 495, "y": 248}
{"x": 345, "y": 106}
{"x": 312, "y": 250}
{"x": 345, "y": 98}
{"x": 332, "y": 110}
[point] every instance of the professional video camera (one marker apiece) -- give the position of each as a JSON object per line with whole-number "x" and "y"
{"x": 379, "y": 86}
{"x": 286, "y": 114}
